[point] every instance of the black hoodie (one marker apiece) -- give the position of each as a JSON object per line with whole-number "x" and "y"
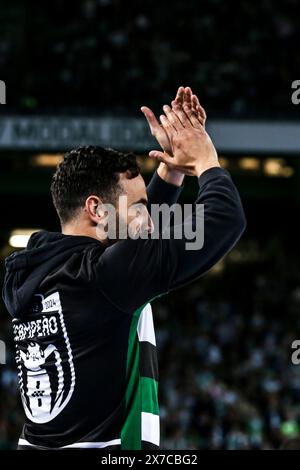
{"x": 83, "y": 327}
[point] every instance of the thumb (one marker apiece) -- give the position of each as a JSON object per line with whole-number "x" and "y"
{"x": 161, "y": 157}
{"x": 151, "y": 119}
{"x": 156, "y": 154}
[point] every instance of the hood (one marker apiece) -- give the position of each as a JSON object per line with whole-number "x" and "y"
{"x": 27, "y": 268}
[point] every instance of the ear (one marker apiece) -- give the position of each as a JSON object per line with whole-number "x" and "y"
{"x": 95, "y": 209}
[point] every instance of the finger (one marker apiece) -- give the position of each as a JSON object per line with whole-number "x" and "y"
{"x": 156, "y": 154}
{"x": 187, "y": 96}
{"x": 192, "y": 117}
{"x": 168, "y": 128}
{"x": 172, "y": 117}
{"x": 180, "y": 96}
{"x": 195, "y": 101}
{"x": 151, "y": 119}
{"x": 162, "y": 157}
{"x": 170, "y": 162}
{"x": 197, "y": 107}
{"x": 178, "y": 110}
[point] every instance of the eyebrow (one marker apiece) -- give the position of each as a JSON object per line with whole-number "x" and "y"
{"x": 143, "y": 200}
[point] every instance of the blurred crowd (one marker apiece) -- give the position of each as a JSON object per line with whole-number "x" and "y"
{"x": 227, "y": 377}
{"x": 107, "y": 55}
{"x": 224, "y": 348}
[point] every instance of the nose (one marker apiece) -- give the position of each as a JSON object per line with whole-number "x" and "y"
{"x": 150, "y": 227}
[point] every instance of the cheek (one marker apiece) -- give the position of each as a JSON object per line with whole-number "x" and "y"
{"x": 122, "y": 212}
{"x": 130, "y": 216}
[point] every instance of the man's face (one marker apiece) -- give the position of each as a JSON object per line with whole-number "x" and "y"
{"x": 132, "y": 206}
{"x": 128, "y": 217}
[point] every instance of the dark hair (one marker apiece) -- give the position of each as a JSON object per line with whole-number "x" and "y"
{"x": 85, "y": 171}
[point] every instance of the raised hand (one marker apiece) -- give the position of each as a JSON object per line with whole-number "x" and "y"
{"x": 192, "y": 151}
{"x": 188, "y": 102}
{"x": 184, "y": 100}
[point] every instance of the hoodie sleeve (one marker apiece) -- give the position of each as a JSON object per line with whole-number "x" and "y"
{"x": 159, "y": 191}
{"x": 133, "y": 272}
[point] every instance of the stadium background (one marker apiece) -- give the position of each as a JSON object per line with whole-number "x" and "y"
{"x": 78, "y": 72}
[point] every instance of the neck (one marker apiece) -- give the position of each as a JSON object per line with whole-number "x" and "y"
{"x": 79, "y": 227}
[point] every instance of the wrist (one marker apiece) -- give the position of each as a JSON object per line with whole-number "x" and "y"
{"x": 208, "y": 166}
{"x": 174, "y": 177}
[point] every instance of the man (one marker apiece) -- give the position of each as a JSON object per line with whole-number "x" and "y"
{"x": 83, "y": 327}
